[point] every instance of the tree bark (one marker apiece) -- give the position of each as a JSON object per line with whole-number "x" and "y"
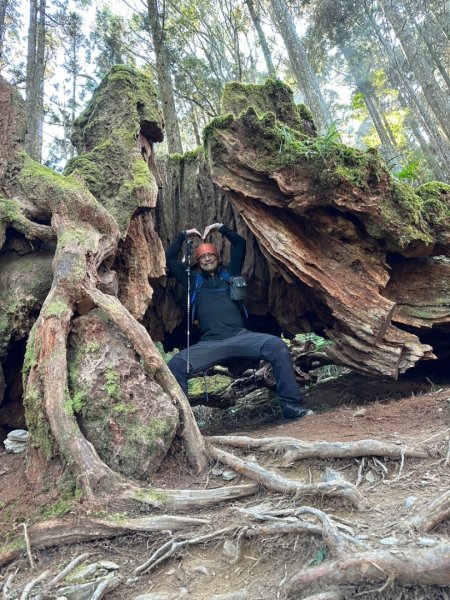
{"x": 306, "y": 79}
{"x": 164, "y": 79}
{"x": 35, "y": 78}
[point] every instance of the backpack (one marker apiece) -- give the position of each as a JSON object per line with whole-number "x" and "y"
{"x": 238, "y": 289}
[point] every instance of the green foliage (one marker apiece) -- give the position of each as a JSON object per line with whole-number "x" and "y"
{"x": 319, "y": 342}
{"x": 214, "y": 383}
{"x": 59, "y": 508}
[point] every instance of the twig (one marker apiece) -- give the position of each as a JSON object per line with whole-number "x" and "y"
{"x": 8, "y": 582}
{"x": 447, "y": 458}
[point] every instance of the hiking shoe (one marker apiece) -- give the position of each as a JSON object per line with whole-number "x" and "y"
{"x": 293, "y": 411}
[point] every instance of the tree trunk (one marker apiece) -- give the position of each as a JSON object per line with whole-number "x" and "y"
{"x": 87, "y": 240}
{"x": 436, "y": 97}
{"x": 261, "y": 37}
{"x": 3, "y": 6}
{"x": 35, "y": 78}
{"x": 164, "y": 80}
{"x": 438, "y": 144}
{"x": 306, "y": 79}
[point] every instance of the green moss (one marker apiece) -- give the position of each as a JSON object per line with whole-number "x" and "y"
{"x": 271, "y": 96}
{"x": 93, "y": 347}
{"x": 220, "y": 122}
{"x": 436, "y": 204}
{"x": 56, "y": 309}
{"x": 152, "y": 496}
{"x": 215, "y": 384}
{"x": 38, "y": 426}
{"x": 30, "y": 359}
{"x": 122, "y": 408}
{"x": 112, "y": 385}
{"x": 142, "y": 179}
{"x": 59, "y": 508}
{"x": 74, "y": 403}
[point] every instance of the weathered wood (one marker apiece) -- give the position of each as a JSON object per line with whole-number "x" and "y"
{"x": 337, "y": 488}
{"x": 432, "y": 514}
{"x": 411, "y": 566}
{"x": 295, "y": 449}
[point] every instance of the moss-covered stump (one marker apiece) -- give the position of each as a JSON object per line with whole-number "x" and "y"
{"x": 329, "y": 219}
{"x": 114, "y": 137}
{"x": 39, "y": 209}
{"x": 128, "y": 417}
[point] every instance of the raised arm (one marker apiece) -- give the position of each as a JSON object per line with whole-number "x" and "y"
{"x": 238, "y": 245}
{"x": 176, "y": 267}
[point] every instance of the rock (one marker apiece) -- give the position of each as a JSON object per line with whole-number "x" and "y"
{"x": 410, "y": 501}
{"x": 427, "y": 542}
{"x": 370, "y": 476}
{"x": 14, "y": 447}
{"x": 389, "y": 541}
{"x": 229, "y": 475}
{"x": 231, "y": 551}
{"x": 18, "y": 435}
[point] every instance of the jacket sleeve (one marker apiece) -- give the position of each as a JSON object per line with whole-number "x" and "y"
{"x": 238, "y": 245}
{"x": 175, "y": 266}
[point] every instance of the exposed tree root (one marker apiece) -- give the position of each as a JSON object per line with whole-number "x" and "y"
{"x": 328, "y": 531}
{"x": 409, "y": 566}
{"x": 434, "y": 513}
{"x": 336, "y": 488}
{"x": 186, "y": 499}
{"x": 84, "y": 529}
{"x": 296, "y": 449}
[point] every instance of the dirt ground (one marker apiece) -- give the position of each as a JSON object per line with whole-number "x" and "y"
{"x": 234, "y": 568}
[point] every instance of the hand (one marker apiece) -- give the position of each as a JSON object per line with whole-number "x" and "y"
{"x": 210, "y": 229}
{"x": 192, "y": 233}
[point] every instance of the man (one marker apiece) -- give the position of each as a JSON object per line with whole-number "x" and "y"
{"x": 221, "y": 322}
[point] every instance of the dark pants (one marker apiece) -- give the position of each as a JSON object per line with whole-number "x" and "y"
{"x": 246, "y": 344}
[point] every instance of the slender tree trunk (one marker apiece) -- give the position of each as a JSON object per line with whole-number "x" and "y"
{"x": 261, "y": 37}
{"x": 434, "y": 55}
{"x": 439, "y": 146}
{"x": 198, "y": 139}
{"x": 3, "y": 6}
{"x": 305, "y": 76}
{"x": 388, "y": 150}
{"x": 164, "y": 80}
{"x": 437, "y": 99}
{"x": 35, "y": 79}
{"x": 439, "y": 173}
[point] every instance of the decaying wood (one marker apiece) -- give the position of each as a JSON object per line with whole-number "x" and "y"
{"x": 330, "y": 595}
{"x": 295, "y": 449}
{"x": 337, "y": 488}
{"x": 432, "y": 514}
{"x": 411, "y": 566}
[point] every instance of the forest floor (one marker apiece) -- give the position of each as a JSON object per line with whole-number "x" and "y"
{"x": 242, "y": 567}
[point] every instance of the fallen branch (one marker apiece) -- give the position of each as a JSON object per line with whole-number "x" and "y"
{"x": 335, "y": 488}
{"x": 434, "y": 513}
{"x": 411, "y": 566}
{"x": 296, "y": 449}
{"x": 31, "y": 584}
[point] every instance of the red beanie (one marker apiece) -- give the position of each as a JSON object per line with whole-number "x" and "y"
{"x": 205, "y": 249}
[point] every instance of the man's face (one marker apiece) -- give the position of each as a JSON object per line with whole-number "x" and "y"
{"x": 208, "y": 263}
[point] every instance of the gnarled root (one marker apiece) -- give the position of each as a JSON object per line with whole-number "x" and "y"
{"x": 336, "y": 488}
{"x": 434, "y": 513}
{"x": 296, "y": 449}
{"x": 410, "y": 566}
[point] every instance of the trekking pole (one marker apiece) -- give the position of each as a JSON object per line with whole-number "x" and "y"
{"x": 188, "y": 303}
